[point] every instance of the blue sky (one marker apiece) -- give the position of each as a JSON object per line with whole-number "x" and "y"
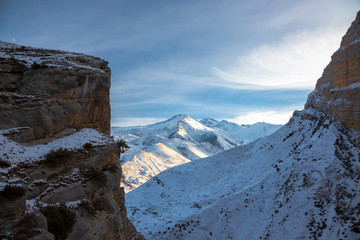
{"x": 245, "y": 61}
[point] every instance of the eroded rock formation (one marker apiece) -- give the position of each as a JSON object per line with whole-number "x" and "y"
{"x": 336, "y": 92}
{"x": 49, "y": 91}
{"x": 59, "y": 168}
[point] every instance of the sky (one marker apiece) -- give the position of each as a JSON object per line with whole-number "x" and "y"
{"x": 243, "y": 61}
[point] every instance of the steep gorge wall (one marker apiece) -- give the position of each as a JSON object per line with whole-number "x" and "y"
{"x": 336, "y": 92}
{"x": 55, "y": 146}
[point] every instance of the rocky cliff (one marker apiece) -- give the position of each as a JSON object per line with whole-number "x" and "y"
{"x": 49, "y": 91}
{"x": 59, "y": 168}
{"x": 336, "y": 92}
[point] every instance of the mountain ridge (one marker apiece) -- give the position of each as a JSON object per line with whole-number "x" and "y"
{"x": 185, "y": 139}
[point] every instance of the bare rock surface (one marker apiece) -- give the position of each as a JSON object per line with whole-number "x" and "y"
{"x": 49, "y": 91}
{"x": 337, "y": 91}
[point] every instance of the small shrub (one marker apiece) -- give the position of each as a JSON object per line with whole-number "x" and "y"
{"x": 17, "y": 66}
{"x": 88, "y": 146}
{"x": 123, "y": 146}
{"x": 104, "y": 65}
{"x": 96, "y": 174}
{"x": 4, "y": 163}
{"x": 112, "y": 167}
{"x": 60, "y": 220}
{"x": 196, "y": 205}
{"x": 57, "y": 158}
{"x": 36, "y": 65}
{"x": 158, "y": 181}
{"x": 12, "y": 192}
{"x": 88, "y": 207}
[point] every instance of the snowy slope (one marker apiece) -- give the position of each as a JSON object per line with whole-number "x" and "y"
{"x": 302, "y": 182}
{"x": 180, "y": 139}
{"x": 143, "y": 165}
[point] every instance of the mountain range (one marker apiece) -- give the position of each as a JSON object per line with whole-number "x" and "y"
{"x": 178, "y": 140}
{"x": 301, "y": 182}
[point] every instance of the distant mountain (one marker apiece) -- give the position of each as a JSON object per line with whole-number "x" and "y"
{"x": 243, "y": 134}
{"x": 180, "y": 139}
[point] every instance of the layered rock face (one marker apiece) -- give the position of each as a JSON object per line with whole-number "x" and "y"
{"x": 49, "y": 91}
{"x": 59, "y": 168}
{"x": 337, "y": 91}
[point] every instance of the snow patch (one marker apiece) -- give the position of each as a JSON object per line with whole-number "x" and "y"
{"x": 350, "y": 87}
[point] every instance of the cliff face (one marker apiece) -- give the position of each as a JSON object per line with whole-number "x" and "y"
{"x": 50, "y": 91}
{"x": 337, "y": 91}
{"x": 59, "y": 168}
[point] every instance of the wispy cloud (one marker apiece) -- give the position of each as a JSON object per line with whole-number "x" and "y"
{"x": 296, "y": 62}
{"x": 275, "y": 116}
{"x": 127, "y": 122}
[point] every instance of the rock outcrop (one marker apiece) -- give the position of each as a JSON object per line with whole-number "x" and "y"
{"x": 50, "y": 91}
{"x": 336, "y": 92}
{"x": 59, "y": 168}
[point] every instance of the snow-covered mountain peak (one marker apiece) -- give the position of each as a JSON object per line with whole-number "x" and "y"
{"x": 243, "y": 133}
{"x": 187, "y": 138}
{"x": 186, "y": 121}
{"x": 209, "y": 121}
{"x": 178, "y": 117}
{"x": 194, "y": 124}
{"x": 171, "y": 120}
